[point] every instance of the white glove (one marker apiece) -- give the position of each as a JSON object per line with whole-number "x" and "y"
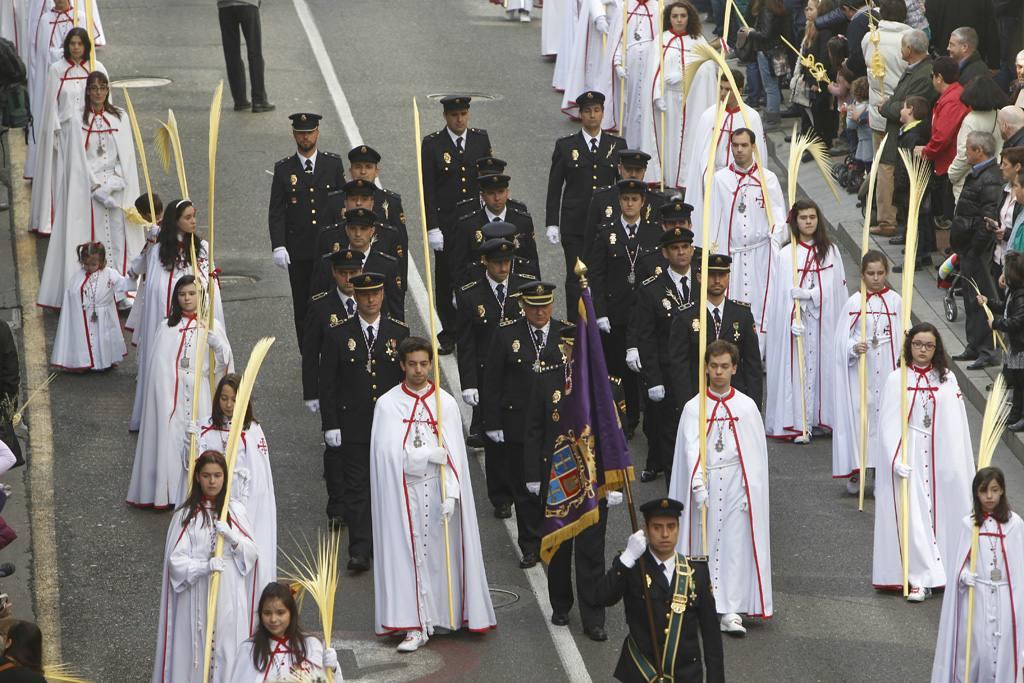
{"x": 113, "y": 183}
{"x": 312, "y": 406}
{"x": 620, "y": 71}
{"x": 674, "y": 79}
{"x": 533, "y": 487}
{"x": 330, "y": 662}
{"x": 903, "y": 471}
{"x": 601, "y": 24}
{"x": 332, "y": 437}
{"x": 447, "y": 507}
{"x": 104, "y": 198}
{"x": 614, "y": 498}
{"x": 800, "y": 294}
{"x": 471, "y": 397}
{"x": 217, "y": 564}
{"x": 633, "y": 359}
{"x": 604, "y": 325}
{"x": 659, "y": 104}
{"x": 699, "y": 491}
{"x": 152, "y": 233}
{"x": 496, "y": 435}
{"x": 281, "y": 258}
{"x": 635, "y": 547}
{"x": 438, "y": 455}
{"x": 968, "y": 578}
{"x": 229, "y": 534}
{"x": 192, "y": 428}
{"x": 657, "y": 393}
{"x": 797, "y": 329}
{"x": 435, "y": 239}
{"x": 553, "y": 235}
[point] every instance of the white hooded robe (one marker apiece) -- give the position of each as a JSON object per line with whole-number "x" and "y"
{"x": 89, "y": 334}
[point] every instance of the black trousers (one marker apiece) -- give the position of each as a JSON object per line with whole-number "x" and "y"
{"x": 444, "y": 284}
{"x": 589, "y": 552}
{"x": 347, "y": 473}
{"x": 572, "y": 248}
{"x": 244, "y": 18}
{"x": 529, "y": 508}
{"x": 299, "y": 275}
{"x": 976, "y": 264}
{"x": 615, "y": 358}
{"x": 499, "y": 474}
{"x": 1015, "y": 383}
{"x": 661, "y": 420}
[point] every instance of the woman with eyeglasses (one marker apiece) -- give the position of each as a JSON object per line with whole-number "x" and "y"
{"x": 100, "y": 182}
{"x": 938, "y": 468}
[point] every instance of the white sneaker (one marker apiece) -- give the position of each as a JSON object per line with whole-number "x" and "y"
{"x": 802, "y": 439}
{"x": 732, "y": 623}
{"x": 414, "y": 640}
{"x": 918, "y": 594}
{"x": 853, "y": 485}
{"x": 524, "y": 17}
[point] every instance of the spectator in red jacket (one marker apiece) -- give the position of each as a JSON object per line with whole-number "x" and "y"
{"x": 947, "y": 115}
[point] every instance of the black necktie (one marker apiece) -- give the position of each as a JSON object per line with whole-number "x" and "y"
{"x": 499, "y": 291}
{"x": 538, "y": 335}
{"x": 350, "y": 306}
{"x": 685, "y": 290}
{"x": 369, "y": 337}
{"x": 309, "y": 166}
{"x": 496, "y": 219}
{"x": 458, "y": 144}
{"x": 718, "y": 321}
{"x": 593, "y": 146}
{"x": 631, "y": 228}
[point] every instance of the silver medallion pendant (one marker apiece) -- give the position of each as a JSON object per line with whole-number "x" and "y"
{"x": 927, "y": 421}
{"x": 996, "y": 575}
{"x": 631, "y": 278}
{"x": 184, "y": 362}
{"x": 874, "y": 342}
{"x": 417, "y": 442}
{"x": 742, "y": 207}
{"x": 94, "y": 318}
{"x": 719, "y": 445}
{"x": 369, "y": 367}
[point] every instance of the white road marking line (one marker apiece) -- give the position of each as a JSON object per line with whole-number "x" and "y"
{"x": 565, "y": 644}
{"x": 46, "y": 589}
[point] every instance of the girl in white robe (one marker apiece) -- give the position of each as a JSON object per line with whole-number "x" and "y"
{"x": 939, "y": 469}
{"x": 188, "y": 566}
{"x": 598, "y": 27}
{"x": 683, "y": 33}
{"x": 89, "y": 335}
{"x": 175, "y": 363}
{"x": 278, "y": 649}
{"x": 821, "y": 293}
{"x": 100, "y": 182}
{"x": 997, "y": 645}
{"x": 163, "y": 264}
{"x": 569, "y": 12}
{"x": 151, "y": 229}
{"x": 254, "y": 483}
{"x": 12, "y": 22}
{"x": 881, "y": 347}
{"x": 735, "y": 493}
{"x": 63, "y": 103}
{"x": 50, "y": 24}
{"x": 642, "y": 29}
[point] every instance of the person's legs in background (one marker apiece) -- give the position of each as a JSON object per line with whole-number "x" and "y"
{"x": 770, "y": 83}
{"x": 230, "y": 24}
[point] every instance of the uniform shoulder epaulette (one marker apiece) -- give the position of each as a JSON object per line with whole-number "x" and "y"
{"x": 388, "y": 256}
{"x": 470, "y": 285}
{"x": 332, "y": 155}
{"x": 284, "y": 160}
{"x": 697, "y": 558}
{"x": 649, "y": 280}
{"x": 479, "y": 130}
{"x": 382, "y": 225}
{"x": 507, "y": 322}
{"x": 433, "y": 135}
{"x": 319, "y": 295}
{"x": 398, "y": 322}
{"x": 566, "y": 137}
{"x": 392, "y": 194}
{"x": 335, "y": 193}
{"x": 605, "y": 188}
{"x": 745, "y": 304}
{"x": 465, "y": 217}
{"x": 615, "y": 380}
{"x": 518, "y": 207}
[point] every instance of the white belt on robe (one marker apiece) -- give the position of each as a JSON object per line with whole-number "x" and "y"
{"x": 749, "y": 247}
{"x": 722, "y": 466}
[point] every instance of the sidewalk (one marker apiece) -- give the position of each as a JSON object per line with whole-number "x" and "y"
{"x": 847, "y": 225}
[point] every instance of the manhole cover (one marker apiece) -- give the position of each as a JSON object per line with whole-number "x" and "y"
{"x": 237, "y": 279}
{"x": 141, "y": 82}
{"x": 468, "y": 93}
{"x": 503, "y": 598}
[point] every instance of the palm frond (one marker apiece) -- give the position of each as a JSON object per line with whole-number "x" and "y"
{"x": 62, "y": 672}
{"x": 993, "y": 423}
{"x": 919, "y": 171}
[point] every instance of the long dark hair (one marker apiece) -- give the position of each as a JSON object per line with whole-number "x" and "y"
{"x": 195, "y": 496}
{"x": 984, "y": 477}
{"x": 88, "y": 249}
{"x": 261, "y": 637}
{"x": 940, "y": 361}
{"x": 86, "y": 41}
{"x": 167, "y": 239}
{"x": 176, "y": 313}
{"x": 822, "y": 242}
{"x": 218, "y": 418}
{"x": 693, "y": 25}
{"x": 98, "y": 77}
{"x": 26, "y": 646}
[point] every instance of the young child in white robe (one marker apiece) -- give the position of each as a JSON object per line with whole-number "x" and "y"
{"x": 881, "y": 349}
{"x": 188, "y": 565}
{"x": 278, "y": 649}
{"x": 254, "y": 483}
{"x": 151, "y": 229}
{"x": 938, "y": 467}
{"x": 799, "y": 404}
{"x": 89, "y": 335}
{"x": 997, "y": 629}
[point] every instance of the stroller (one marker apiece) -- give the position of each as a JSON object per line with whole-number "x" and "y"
{"x": 949, "y": 280}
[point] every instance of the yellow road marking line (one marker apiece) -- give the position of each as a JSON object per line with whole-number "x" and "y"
{"x": 42, "y": 513}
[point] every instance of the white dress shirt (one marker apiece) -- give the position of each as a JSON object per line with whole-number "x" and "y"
{"x": 492, "y": 216}
{"x": 587, "y": 138}
{"x": 302, "y": 159}
{"x": 455, "y": 137}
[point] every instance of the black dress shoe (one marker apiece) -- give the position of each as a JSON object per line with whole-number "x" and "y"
{"x": 980, "y": 364}
{"x": 559, "y": 618}
{"x": 649, "y": 475}
{"x": 475, "y": 441}
{"x": 1017, "y": 426}
{"x": 6, "y": 569}
{"x": 260, "y": 107}
{"x": 529, "y": 560}
{"x": 242, "y": 106}
{"x": 358, "y": 565}
{"x": 503, "y": 511}
{"x": 966, "y": 355}
{"x": 596, "y": 633}
{"x": 898, "y": 239}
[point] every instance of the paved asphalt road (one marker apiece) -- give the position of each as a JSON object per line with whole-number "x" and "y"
{"x": 829, "y": 625}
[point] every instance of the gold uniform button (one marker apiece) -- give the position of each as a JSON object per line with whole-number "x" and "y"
{"x": 463, "y": 190}
{"x": 314, "y": 222}
{"x": 311, "y": 189}
{"x": 312, "y": 210}
{"x": 373, "y": 386}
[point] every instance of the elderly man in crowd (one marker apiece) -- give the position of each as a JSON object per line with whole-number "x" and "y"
{"x": 1011, "y": 125}
{"x": 963, "y": 47}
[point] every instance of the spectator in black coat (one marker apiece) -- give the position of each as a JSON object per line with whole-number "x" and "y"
{"x": 972, "y": 236}
{"x": 1011, "y": 324}
{"x": 857, "y": 12}
{"x": 914, "y": 132}
{"x": 963, "y": 47}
